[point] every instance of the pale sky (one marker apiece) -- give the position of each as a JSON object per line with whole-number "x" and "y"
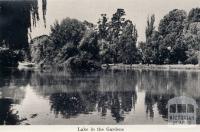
{"x": 90, "y": 10}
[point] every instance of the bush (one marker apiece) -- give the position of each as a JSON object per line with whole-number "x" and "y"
{"x": 8, "y": 58}
{"x": 67, "y": 51}
{"x": 76, "y": 63}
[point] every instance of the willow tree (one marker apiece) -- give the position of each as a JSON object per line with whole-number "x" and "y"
{"x": 16, "y": 18}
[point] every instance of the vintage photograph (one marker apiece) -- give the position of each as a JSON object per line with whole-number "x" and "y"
{"x": 99, "y": 62}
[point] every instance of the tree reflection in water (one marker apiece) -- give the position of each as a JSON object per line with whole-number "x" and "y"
{"x": 161, "y": 100}
{"x": 112, "y": 95}
{"x": 11, "y": 94}
{"x": 7, "y": 116}
{"x": 162, "y": 103}
{"x": 14, "y": 77}
{"x": 150, "y": 101}
{"x": 115, "y": 93}
{"x": 70, "y": 105}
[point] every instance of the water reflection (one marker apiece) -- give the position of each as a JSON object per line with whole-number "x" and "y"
{"x": 129, "y": 97}
{"x": 150, "y": 101}
{"x": 7, "y": 116}
{"x": 161, "y": 100}
{"x": 72, "y": 104}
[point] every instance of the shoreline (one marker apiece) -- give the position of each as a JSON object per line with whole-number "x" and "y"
{"x": 187, "y": 67}
{"x": 175, "y": 67}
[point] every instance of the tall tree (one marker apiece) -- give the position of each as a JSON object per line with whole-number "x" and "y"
{"x": 116, "y": 24}
{"x": 151, "y": 46}
{"x": 127, "y": 43}
{"x": 150, "y": 27}
{"x": 171, "y": 28}
{"x": 103, "y": 41}
{"x": 103, "y": 27}
{"x": 117, "y": 39}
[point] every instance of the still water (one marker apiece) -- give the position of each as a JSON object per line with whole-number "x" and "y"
{"x": 106, "y": 97}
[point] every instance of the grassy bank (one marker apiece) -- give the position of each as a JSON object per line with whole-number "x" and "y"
{"x": 152, "y": 67}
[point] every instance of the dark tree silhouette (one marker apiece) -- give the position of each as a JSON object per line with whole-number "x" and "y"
{"x": 7, "y": 116}
{"x": 15, "y": 21}
{"x": 72, "y": 104}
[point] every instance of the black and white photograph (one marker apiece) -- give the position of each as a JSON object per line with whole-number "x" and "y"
{"x": 100, "y": 62}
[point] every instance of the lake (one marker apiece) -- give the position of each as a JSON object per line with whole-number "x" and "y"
{"x": 104, "y": 97}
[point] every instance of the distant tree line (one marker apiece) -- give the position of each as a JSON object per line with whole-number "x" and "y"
{"x": 114, "y": 40}
{"x": 177, "y": 39}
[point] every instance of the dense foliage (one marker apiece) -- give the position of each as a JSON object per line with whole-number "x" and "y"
{"x": 84, "y": 45}
{"x": 117, "y": 39}
{"x": 114, "y": 40}
{"x": 8, "y": 58}
{"x": 17, "y": 19}
{"x": 176, "y": 41}
{"x": 72, "y": 43}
